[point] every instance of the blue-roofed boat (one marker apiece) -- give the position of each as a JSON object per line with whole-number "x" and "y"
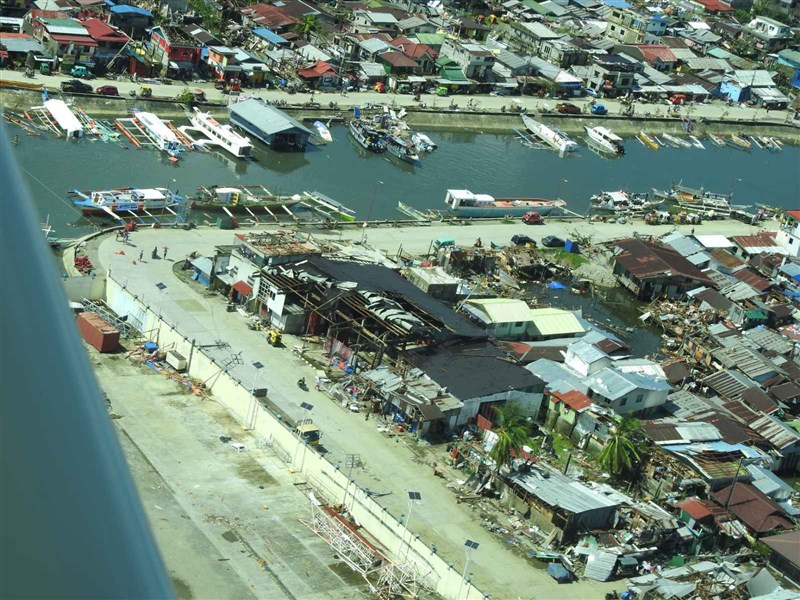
{"x": 130, "y": 200}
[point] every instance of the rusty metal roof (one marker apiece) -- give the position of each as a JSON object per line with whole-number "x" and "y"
{"x": 649, "y": 260}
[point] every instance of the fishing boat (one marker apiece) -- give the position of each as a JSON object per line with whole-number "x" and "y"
{"x": 648, "y": 141}
{"x": 323, "y": 133}
{"x": 466, "y": 204}
{"x": 754, "y": 140}
{"x": 696, "y": 142}
{"x": 159, "y": 133}
{"x": 327, "y": 207}
{"x": 220, "y": 135}
{"x": 130, "y": 200}
{"x": 402, "y": 149}
{"x": 718, "y": 140}
{"x": 423, "y": 142}
{"x": 622, "y": 202}
{"x": 606, "y": 139}
{"x": 367, "y": 137}
{"x": 553, "y": 137}
{"x": 776, "y": 142}
{"x": 241, "y": 199}
{"x": 676, "y": 141}
{"x": 767, "y": 144}
{"x": 700, "y": 201}
{"x": 741, "y": 142}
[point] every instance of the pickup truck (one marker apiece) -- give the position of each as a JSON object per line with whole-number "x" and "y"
{"x": 568, "y": 109}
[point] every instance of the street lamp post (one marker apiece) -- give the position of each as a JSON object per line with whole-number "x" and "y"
{"x": 413, "y": 497}
{"x": 369, "y": 212}
{"x": 252, "y": 412}
{"x": 350, "y": 461}
{"x": 469, "y": 545}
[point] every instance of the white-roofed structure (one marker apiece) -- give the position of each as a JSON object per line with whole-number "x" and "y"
{"x": 64, "y": 118}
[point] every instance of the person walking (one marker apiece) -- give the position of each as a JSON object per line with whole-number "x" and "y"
{"x": 165, "y": 251}
{"x": 141, "y": 256}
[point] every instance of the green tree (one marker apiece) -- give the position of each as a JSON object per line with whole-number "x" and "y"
{"x": 620, "y": 455}
{"x": 511, "y": 428}
{"x": 309, "y": 24}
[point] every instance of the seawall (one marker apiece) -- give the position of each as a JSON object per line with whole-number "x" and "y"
{"x": 20, "y": 100}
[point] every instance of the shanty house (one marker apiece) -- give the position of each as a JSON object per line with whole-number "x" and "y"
{"x": 504, "y": 318}
{"x": 759, "y": 514}
{"x": 785, "y": 553}
{"x": 651, "y": 270}
{"x": 270, "y": 125}
{"x": 555, "y": 501}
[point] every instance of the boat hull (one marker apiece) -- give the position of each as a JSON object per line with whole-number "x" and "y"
{"x": 479, "y": 212}
{"x": 241, "y": 208}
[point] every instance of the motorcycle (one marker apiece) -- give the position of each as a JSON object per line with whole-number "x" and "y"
{"x": 301, "y": 383}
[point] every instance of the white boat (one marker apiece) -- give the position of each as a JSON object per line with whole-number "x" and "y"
{"x": 606, "y": 139}
{"x": 553, "y": 137}
{"x": 696, "y": 142}
{"x": 466, "y": 204}
{"x": 718, "y": 140}
{"x": 401, "y": 148}
{"x": 423, "y": 142}
{"x": 754, "y": 139}
{"x": 221, "y": 135}
{"x": 323, "y": 133}
{"x": 157, "y": 131}
{"x": 700, "y": 201}
{"x": 130, "y": 200}
{"x": 366, "y": 136}
{"x": 676, "y": 141}
{"x": 622, "y": 202}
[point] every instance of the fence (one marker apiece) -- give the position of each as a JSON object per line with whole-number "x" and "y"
{"x": 321, "y": 475}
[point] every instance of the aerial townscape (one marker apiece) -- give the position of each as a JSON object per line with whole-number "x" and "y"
{"x": 458, "y": 299}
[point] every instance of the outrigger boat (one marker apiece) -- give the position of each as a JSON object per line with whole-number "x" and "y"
{"x": 162, "y": 136}
{"x": 466, "y": 204}
{"x": 741, "y": 142}
{"x": 718, "y": 140}
{"x": 622, "y": 202}
{"x": 241, "y": 199}
{"x": 696, "y": 142}
{"x": 220, "y": 135}
{"x": 401, "y": 148}
{"x": 129, "y": 200}
{"x": 367, "y": 137}
{"x": 676, "y": 141}
{"x": 700, "y": 201}
{"x": 648, "y": 141}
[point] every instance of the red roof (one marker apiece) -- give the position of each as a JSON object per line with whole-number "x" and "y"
{"x": 398, "y": 59}
{"x": 759, "y": 240}
{"x": 103, "y": 32}
{"x": 795, "y": 214}
{"x": 83, "y": 40}
{"x": 318, "y": 70}
{"x": 695, "y": 508}
{"x": 576, "y": 400}
{"x": 413, "y": 49}
{"x": 752, "y": 279}
{"x": 269, "y": 15}
{"x": 715, "y": 6}
{"x": 243, "y": 288}
{"x": 654, "y": 52}
{"x": 753, "y": 508}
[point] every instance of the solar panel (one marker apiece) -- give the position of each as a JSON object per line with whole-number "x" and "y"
{"x": 414, "y": 496}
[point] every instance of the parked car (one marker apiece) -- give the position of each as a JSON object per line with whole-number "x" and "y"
{"x": 592, "y": 93}
{"x": 523, "y": 240}
{"x": 532, "y": 218}
{"x": 81, "y": 71}
{"x": 107, "y": 90}
{"x": 568, "y": 109}
{"x": 552, "y": 241}
{"x": 599, "y": 109}
{"x": 76, "y": 86}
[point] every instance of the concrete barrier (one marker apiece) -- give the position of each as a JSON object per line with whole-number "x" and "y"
{"x": 325, "y": 478}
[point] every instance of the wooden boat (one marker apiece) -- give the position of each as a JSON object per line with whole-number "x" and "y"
{"x": 718, "y": 140}
{"x": 648, "y": 141}
{"x": 754, "y": 139}
{"x": 741, "y": 142}
{"x": 676, "y": 141}
{"x": 466, "y": 204}
{"x": 241, "y": 199}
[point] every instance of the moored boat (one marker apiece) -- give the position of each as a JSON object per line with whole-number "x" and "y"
{"x": 402, "y": 149}
{"x": 676, "y": 141}
{"x": 718, "y": 140}
{"x": 622, "y": 202}
{"x": 741, "y": 142}
{"x": 159, "y": 133}
{"x": 696, "y": 142}
{"x": 648, "y": 141}
{"x": 606, "y": 139}
{"x": 239, "y": 199}
{"x": 221, "y": 135}
{"x": 466, "y": 204}
{"x": 553, "y": 137}
{"x": 700, "y": 201}
{"x": 367, "y": 137}
{"x": 130, "y": 200}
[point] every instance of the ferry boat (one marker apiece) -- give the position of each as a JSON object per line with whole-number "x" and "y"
{"x": 401, "y": 148}
{"x": 367, "y": 137}
{"x": 157, "y": 131}
{"x": 606, "y": 139}
{"x": 622, "y": 202}
{"x": 135, "y": 200}
{"x": 553, "y": 137}
{"x": 466, "y": 204}
{"x": 700, "y": 201}
{"x": 241, "y": 199}
{"x": 222, "y": 135}
{"x": 323, "y": 133}
{"x": 648, "y": 141}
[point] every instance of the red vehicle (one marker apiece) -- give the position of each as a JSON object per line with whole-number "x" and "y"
{"x": 532, "y": 218}
{"x": 566, "y": 108}
{"x": 678, "y": 99}
{"x": 107, "y": 90}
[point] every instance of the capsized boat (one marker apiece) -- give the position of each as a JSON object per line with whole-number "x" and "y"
{"x": 135, "y": 200}
{"x": 622, "y": 202}
{"x": 402, "y": 149}
{"x": 466, "y": 204}
{"x": 323, "y": 133}
{"x": 606, "y": 139}
{"x": 220, "y": 135}
{"x": 553, "y": 137}
{"x": 162, "y": 136}
{"x": 423, "y": 142}
{"x": 648, "y": 141}
{"x": 367, "y": 137}
{"x": 241, "y": 199}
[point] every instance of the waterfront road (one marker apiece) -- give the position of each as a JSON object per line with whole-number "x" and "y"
{"x": 389, "y": 467}
{"x": 717, "y": 110}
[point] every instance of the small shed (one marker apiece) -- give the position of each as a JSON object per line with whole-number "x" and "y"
{"x": 270, "y": 125}
{"x": 202, "y": 268}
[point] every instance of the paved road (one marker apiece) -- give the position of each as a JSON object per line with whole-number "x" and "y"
{"x": 715, "y": 109}
{"x": 389, "y": 465}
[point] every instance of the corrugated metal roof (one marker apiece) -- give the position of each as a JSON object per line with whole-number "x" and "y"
{"x": 749, "y": 362}
{"x": 588, "y": 353}
{"x": 502, "y": 310}
{"x": 768, "y": 339}
{"x": 268, "y": 119}
{"x": 554, "y": 321}
{"x": 599, "y": 566}
{"x": 775, "y": 432}
{"x": 560, "y": 491}
{"x": 729, "y": 383}
{"x": 739, "y": 291}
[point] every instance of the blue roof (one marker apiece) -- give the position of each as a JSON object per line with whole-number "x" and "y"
{"x": 269, "y": 35}
{"x": 122, "y": 9}
{"x": 616, "y": 3}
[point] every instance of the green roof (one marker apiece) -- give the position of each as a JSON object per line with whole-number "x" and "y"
{"x": 430, "y": 39}
{"x": 444, "y": 61}
{"x": 63, "y": 23}
{"x": 453, "y": 74}
{"x": 756, "y": 314}
{"x": 789, "y": 57}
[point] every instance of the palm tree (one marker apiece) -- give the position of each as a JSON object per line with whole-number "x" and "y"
{"x": 309, "y": 24}
{"x": 512, "y": 433}
{"x": 620, "y": 454}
